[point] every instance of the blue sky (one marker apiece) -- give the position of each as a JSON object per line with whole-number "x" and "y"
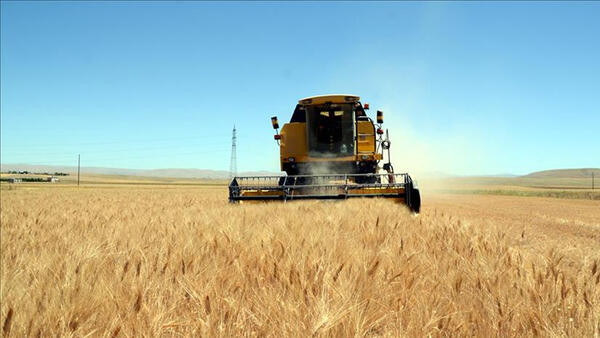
{"x": 467, "y": 87}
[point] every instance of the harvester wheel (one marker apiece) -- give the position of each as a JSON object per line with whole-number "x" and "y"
{"x": 415, "y": 200}
{"x": 367, "y": 179}
{"x": 304, "y": 181}
{"x": 289, "y": 181}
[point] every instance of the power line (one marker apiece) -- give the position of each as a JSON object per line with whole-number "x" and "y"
{"x": 78, "y": 167}
{"x": 233, "y": 161}
{"x": 128, "y": 150}
{"x": 65, "y": 158}
{"x": 50, "y": 145}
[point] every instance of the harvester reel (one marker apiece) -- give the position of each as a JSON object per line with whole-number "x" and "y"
{"x": 332, "y": 186}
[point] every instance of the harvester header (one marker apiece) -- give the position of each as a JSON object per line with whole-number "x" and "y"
{"x": 330, "y": 149}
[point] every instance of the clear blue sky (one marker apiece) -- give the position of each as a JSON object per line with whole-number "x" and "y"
{"x": 467, "y": 87}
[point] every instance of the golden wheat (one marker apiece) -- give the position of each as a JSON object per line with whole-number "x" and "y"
{"x": 132, "y": 262}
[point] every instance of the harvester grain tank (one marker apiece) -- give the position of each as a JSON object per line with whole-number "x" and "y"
{"x": 330, "y": 149}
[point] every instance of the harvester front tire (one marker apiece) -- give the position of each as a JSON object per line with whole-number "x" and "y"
{"x": 282, "y": 180}
{"x": 415, "y": 200}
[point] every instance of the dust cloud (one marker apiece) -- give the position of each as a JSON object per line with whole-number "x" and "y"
{"x": 432, "y": 158}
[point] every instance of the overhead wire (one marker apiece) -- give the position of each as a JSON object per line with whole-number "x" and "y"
{"x": 70, "y": 154}
{"x": 120, "y": 142}
{"x": 83, "y": 149}
{"x": 94, "y": 159}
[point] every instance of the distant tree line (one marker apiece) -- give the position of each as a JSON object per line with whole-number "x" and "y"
{"x": 24, "y": 179}
{"x": 33, "y": 179}
{"x": 25, "y": 172}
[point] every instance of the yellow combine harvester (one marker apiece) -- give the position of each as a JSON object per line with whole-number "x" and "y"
{"x": 330, "y": 149}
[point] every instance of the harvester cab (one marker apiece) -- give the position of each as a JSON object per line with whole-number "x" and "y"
{"x": 330, "y": 149}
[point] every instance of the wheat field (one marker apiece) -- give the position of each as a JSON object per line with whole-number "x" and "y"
{"x": 181, "y": 261}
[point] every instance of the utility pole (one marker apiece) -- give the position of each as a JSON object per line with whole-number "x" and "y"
{"x": 78, "y": 168}
{"x": 233, "y": 162}
{"x": 592, "y": 180}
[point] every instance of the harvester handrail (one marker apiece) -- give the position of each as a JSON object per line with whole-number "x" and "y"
{"x": 340, "y": 185}
{"x": 324, "y": 175}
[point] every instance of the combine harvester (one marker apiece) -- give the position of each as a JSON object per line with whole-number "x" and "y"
{"x": 330, "y": 149}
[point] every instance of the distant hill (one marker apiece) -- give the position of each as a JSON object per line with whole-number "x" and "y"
{"x": 223, "y": 174}
{"x": 565, "y": 173}
{"x": 171, "y": 172}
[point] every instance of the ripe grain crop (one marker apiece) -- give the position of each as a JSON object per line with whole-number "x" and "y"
{"x": 182, "y": 261}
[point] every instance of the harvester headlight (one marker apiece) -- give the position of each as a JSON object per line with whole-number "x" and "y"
{"x": 379, "y": 117}
{"x": 291, "y": 159}
{"x": 274, "y": 122}
{"x": 365, "y": 157}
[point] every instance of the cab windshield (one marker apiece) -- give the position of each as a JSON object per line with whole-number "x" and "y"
{"x": 330, "y": 129}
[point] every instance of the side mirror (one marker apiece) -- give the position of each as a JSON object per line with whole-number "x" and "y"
{"x": 274, "y": 122}
{"x": 379, "y": 116}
